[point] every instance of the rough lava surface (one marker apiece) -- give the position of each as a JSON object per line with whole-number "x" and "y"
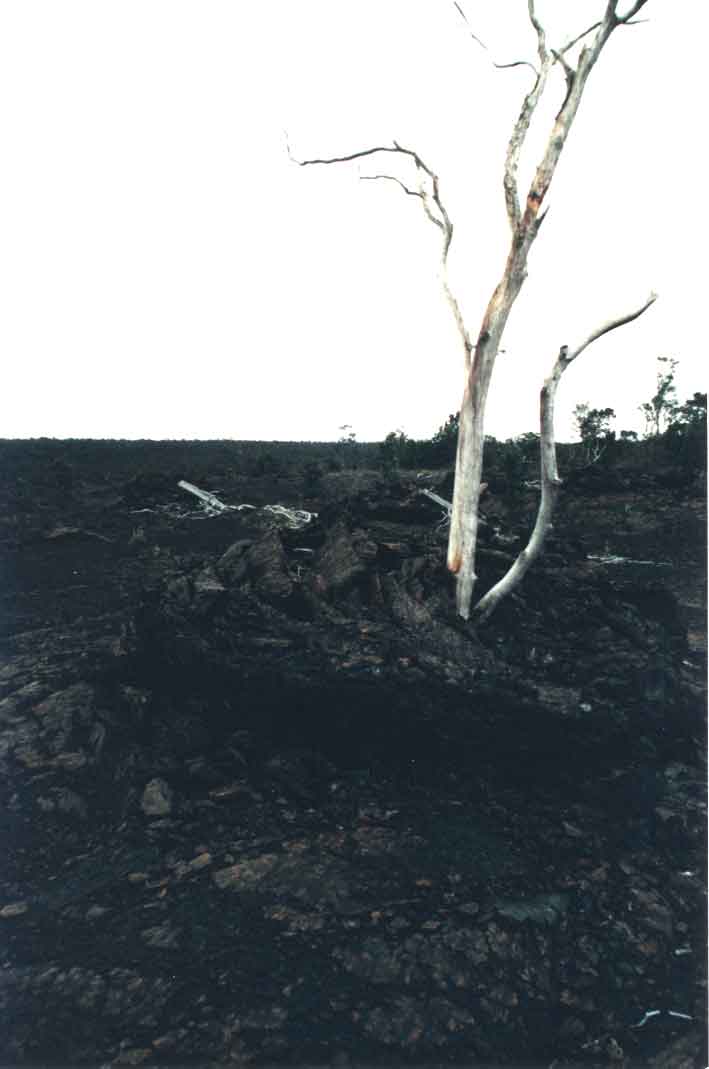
{"x": 267, "y": 800}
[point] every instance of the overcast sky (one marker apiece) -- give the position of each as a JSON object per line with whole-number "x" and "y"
{"x": 167, "y": 272}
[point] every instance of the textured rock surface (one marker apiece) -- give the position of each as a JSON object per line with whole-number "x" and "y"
{"x": 264, "y": 798}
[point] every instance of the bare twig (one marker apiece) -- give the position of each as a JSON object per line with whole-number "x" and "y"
{"x": 629, "y": 14}
{"x": 579, "y": 37}
{"x": 391, "y": 178}
{"x": 521, "y": 127}
{"x": 353, "y": 155}
{"x": 465, "y": 20}
{"x": 500, "y": 66}
{"x": 447, "y": 505}
{"x": 440, "y": 223}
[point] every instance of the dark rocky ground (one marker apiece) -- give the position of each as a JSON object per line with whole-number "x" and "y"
{"x": 265, "y": 800}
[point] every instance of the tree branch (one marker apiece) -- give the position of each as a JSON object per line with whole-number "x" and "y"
{"x": 521, "y": 127}
{"x": 442, "y": 221}
{"x": 356, "y": 156}
{"x": 575, "y": 40}
{"x": 569, "y": 72}
{"x": 612, "y": 324}
{"x": 550, "y": 480}
{"x": 391, "y": 178}
{"x": 500, "y": 66}
{"x": 539, "y": 30}
{"x": 629, "y": 14}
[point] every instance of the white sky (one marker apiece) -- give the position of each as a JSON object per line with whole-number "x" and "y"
{"x": 167, "y": 272}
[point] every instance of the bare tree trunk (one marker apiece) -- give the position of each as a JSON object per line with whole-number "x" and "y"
{"x": 471, "y": 439}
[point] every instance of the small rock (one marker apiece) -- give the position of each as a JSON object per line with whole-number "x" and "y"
{"x": 157, "y": 798}
{"x": 614, "y": 1050}
{"x": 70, "y": 761}
{"x": 161, "y": 935}
{"x": 208, "y": 589}
{"x": 572, "y": 1028}
{"x": 268, "y": 566}
{"x": 655, "y": 913}
{"x": 14, "y": 909}
{"x": 163, "y": 1042}
{"x": 303, "y": 772}
{"x": 133, "y": 1055}
{"x": 405, "y": 608}
{"x": 201, "y": 861}
{"x": 545, "y": 910}
{"x": 93, "y": 913}
{"x": 208, "y": 582}
{"x": 70, "y": 802}
{"x": 343, "y": 560}
{"x": 247, "y": 874}
{"x": 232, "y": 565}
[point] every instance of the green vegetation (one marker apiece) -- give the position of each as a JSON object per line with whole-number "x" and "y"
{"x": 594, "y": 425}
{"x": 661, "y": 409}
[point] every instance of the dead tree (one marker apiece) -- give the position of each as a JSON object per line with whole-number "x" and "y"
{"x": 525, "y": 219}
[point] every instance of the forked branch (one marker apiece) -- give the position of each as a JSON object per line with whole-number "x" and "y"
{"x": 429, "y": 194}
{"x": 550, "y": 481}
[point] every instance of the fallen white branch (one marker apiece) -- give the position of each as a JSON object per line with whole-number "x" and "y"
{"x": 206, "y": 498}
{"x": 294, "y": 518}
{"x": 613, "y": 559}
{"x": 657, "y": 1013}
{"x": 447, "y": 505}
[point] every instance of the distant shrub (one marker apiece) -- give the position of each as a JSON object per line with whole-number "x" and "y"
{"x": 266, "y": 464}
{"x": 312, "y": 476}
{"x": 686, "y": 437}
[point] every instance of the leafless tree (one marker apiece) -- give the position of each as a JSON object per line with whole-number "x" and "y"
{"x": 525, "y": 219}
